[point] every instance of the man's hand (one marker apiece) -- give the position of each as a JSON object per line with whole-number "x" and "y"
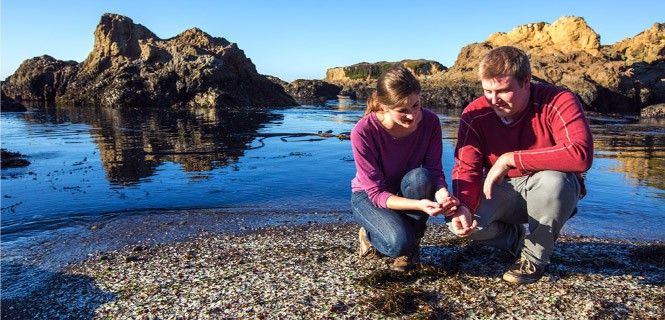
{"x": 463, "y": 223}
{"x": 498, "y": 171}
{"x": 448, "y": 203}
{"x": 430, "y": 207}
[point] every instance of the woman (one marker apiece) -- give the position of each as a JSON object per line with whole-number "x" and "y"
{"x": 397, "y": 150}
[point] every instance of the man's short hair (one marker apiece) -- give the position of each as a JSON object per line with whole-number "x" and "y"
{"x": 505, "y": 61}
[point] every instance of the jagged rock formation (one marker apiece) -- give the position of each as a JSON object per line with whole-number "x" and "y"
{"x": 312, "y": 90}
{"x": 568, "y": 53}
{"x": 371, "y": 71}
{"x": 40, "y": 78}
{"x": 131, "y": 67}
{"x": 357, "y": 80}
{"x": 277, "y": 80}
{"x": 648, "y": 46}
{"x": 624, "y": 77}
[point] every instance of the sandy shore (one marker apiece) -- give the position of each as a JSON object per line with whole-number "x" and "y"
{"x": 312, "y": 272}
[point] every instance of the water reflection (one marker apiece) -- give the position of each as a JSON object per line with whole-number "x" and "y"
{"x": 133, "y": 143}
{"x": 638, "y": 147}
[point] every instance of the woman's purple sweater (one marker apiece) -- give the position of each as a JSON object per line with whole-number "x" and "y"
{"x": 382, "y": 160}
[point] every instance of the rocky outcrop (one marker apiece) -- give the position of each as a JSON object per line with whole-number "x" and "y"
{"x": 566, "y": 35}
{"x": 277, "y": 80}
{"x": 371, "y": 71}
{"x": 358, "y": 80}
{"x": 568, "y": 53}
{"x": 10, "y": 159}
{"x": 130, "y": 66}
{"x": 312, "y": 90}
{"x": 656, "y": 111}
{"x": 620, "y": 78}
{"x": 648, "y": 46}
{"x": 10, "y": 105}
{"x": 40, "y": 78}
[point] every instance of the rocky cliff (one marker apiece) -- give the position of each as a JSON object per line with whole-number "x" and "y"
{"x": 357, "y": 80}
{"x": 623, "y": 77}
{"x": 371, "y": 71}
{"x": 130, "y": 66}
{"x": 568, "y": 53}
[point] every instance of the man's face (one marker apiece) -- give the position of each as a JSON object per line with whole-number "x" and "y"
{"x": 507, "y": 96}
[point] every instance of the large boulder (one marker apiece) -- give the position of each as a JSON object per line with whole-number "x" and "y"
{"x": 40, "y": 79}
{"x": 312, "y": 90}
{"x": 130, "y": 66}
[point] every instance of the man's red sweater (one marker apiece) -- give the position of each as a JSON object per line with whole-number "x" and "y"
{"x": 550, "y": 134}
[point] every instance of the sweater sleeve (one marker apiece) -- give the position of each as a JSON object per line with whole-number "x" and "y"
{"x": 368, "y": 170}
{"x": 434, "y": 154}
{"x": 573, "y": 148}
{"x": 468, "y": 170}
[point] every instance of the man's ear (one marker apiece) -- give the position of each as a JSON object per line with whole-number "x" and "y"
{"x": 527, "y": 80}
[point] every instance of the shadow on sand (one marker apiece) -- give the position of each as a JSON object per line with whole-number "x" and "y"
{"x": 58, "y": 295}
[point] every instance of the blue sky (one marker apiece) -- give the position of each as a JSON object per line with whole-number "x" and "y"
{"x": 301, "y": 39}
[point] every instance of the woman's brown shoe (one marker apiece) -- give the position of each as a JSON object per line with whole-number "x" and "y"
{"x": 365, "y": 249}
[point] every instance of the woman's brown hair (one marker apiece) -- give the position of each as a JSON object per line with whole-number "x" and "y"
{"x": 393, "y": 89}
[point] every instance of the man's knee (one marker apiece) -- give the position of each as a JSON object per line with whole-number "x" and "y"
{"x": 552, "y": 193}
{"x": 553, "y": 184}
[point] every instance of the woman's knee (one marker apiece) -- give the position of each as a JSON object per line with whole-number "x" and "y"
{"x": 417, "y": 184}
{"x": 397, "y": 245}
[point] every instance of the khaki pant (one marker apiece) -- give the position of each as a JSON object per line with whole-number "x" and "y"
{"x": 545, "y": 200}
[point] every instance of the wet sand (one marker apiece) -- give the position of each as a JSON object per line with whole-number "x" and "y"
{"x": 312, "y": 271}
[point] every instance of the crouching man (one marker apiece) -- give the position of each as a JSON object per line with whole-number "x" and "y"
{"x": 520, "y": 153}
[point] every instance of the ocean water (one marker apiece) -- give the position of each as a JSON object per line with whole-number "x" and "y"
{"x": 98, "y": 167}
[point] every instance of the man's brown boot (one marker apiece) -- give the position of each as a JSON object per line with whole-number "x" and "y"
{"x": 524, "y": 271}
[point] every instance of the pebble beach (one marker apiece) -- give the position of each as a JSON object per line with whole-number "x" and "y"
{"x": 312, "y": 272}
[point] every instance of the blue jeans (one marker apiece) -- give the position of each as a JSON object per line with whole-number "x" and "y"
{"x": 395, "y": 233}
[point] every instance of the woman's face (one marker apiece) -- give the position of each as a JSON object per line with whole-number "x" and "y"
{"x": 407, "y": 115}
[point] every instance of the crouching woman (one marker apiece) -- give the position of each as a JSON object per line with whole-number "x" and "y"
{"x": 399, "y": 181}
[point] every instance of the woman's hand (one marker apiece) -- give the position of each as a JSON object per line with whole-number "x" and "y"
{"x": 447, "y": 202}
{"x": 430, "y": 207}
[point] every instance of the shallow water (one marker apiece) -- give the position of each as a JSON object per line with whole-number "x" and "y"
{"x": 91, "y": 166}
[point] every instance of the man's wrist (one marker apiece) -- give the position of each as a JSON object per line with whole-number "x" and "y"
{"x": 453, "y": 213}
{"x": 509, "y": 160}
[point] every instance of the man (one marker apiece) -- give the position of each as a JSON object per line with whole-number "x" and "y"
{"x": 533, "y": 142}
